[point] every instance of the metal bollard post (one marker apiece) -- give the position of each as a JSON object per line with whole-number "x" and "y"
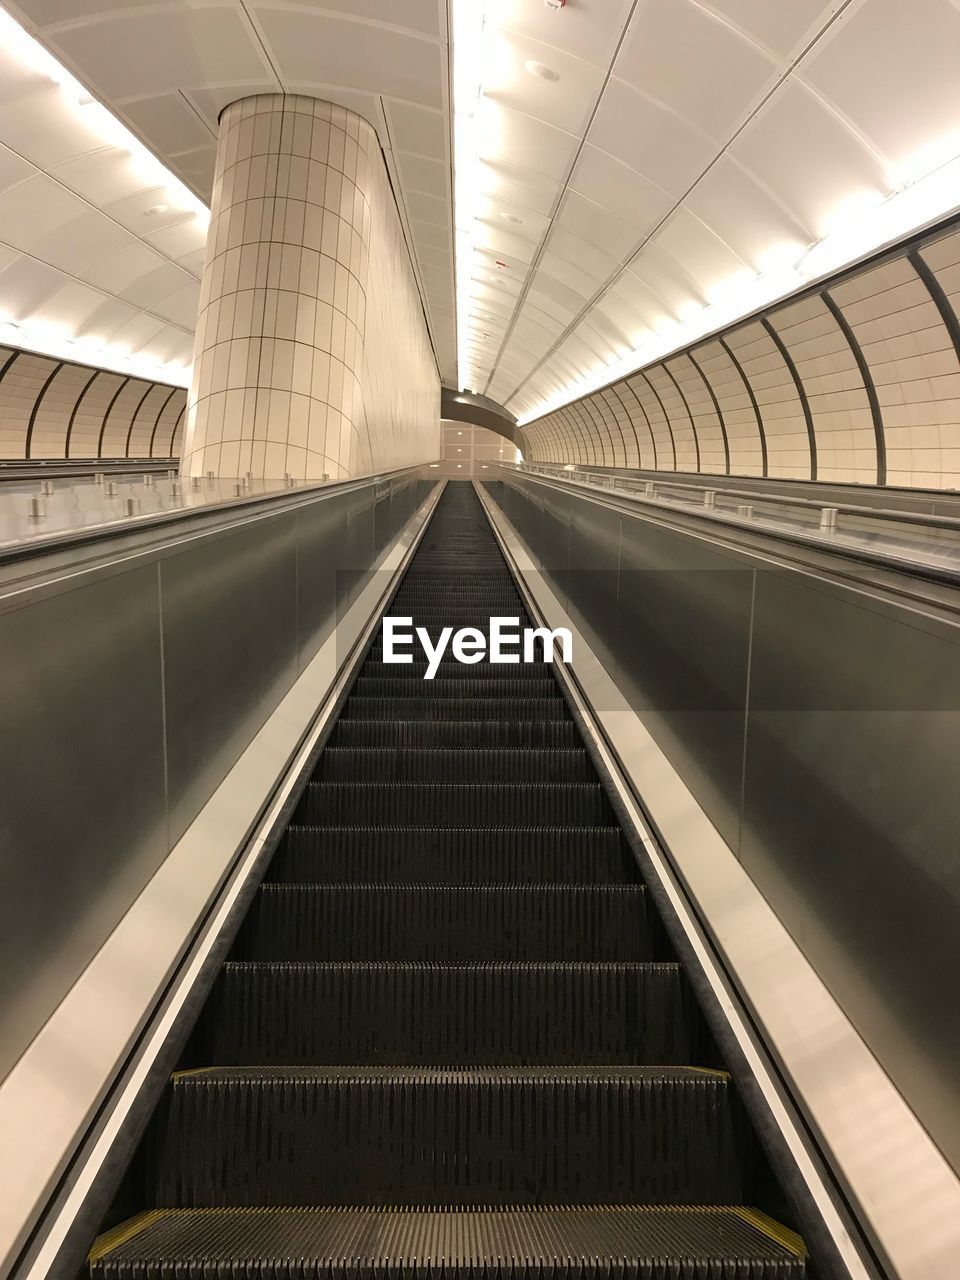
{"x": 132, "y": 506}
{"x": 195, "y": 482}
{"x": 36, "y": 508}
{"x": 98, "y": 477}
{"x": 46, "y": 487}
{"x": 110, "y": 488}
{"x": 828, "y": 519}
{"x": 710, "y": 498}
{"x": 148, "y": 480}
{"x": 745, "y": 511}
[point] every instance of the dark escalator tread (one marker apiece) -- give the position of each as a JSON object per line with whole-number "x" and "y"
{"x": 430, "y": 764}
{"x": 447, "y": 922}
{"x": 454, "y": 855}
{"x": 589, "y": 1242}
{"x": 488, "y": 1014}
{"x": 398, "y": 1135}
{"x": 450, "y": 668}
{"x": 462, "y": 686}
{"x": 425, "y": 707}
{"x": 467, "y": 804}
{"x": 475, "y": 734}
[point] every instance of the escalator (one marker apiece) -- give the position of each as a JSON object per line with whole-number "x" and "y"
{"x": 451, "y": 1038}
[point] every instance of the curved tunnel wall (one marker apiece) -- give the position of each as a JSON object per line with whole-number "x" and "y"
{"x": 857, "y": 381}
{"x": 54, "y": 409}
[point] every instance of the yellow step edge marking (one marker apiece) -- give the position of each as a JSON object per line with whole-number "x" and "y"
{"x": 775, "y": 1230}
{"x": 111, "y": 1240}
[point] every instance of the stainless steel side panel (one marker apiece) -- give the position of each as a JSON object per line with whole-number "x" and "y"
{"x": 851, "y": 819}
{"x": 683, "y": 644}
{"x": 82, "y": 805}
{"x": 230, "y": 652}
{"x": 131, "y": 679}
{"x": 818, "y": 724}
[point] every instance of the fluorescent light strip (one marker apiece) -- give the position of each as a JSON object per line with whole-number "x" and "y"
{"x": 863, "y": 230}
{"x": 30, "y": 54}
{"x": 469, "y": 37}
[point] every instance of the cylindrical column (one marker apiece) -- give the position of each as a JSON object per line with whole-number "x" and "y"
{"x": 279, "y": 344}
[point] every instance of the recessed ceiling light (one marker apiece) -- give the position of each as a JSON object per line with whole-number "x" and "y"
{"x": 154, "y": 210}
{"x": 540, "y": 70}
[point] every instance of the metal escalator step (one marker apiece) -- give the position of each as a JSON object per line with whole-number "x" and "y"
{"x": 447, "y": 922}
{"x": 418, "y": 707}
{"x": 451, "y": 668}
{"x": 454, "y": 855}
{"x": 408, "y": 1014}
{"x": 498, "y": 593}
{"x": 578, "y": 1242}
{"x": 459, "y": 687}
{"x": 417, "y": 734}
{"x": 454, "y": 804}
{"x": 406, "y": 764}
{"x": 418, "y": 1136}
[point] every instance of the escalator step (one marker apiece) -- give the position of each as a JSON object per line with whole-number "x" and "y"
{"x": 578, "y": 1242}
{"x": 447, "y": 922}
{"x": 466, "y": 708}
{"x": 463, "y": 687}
{"x": 226, "y": 1137}
{"x": 403, "y": 764}
{"x": 450, "y": 668}
{"x": 454, "y": 855}
{"x": 487, "y": 1014}
{"x": 414, "y": 734}
{"x": 458, "y": 804}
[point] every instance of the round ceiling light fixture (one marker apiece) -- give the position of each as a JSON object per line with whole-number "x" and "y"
{"x": 154, "y": 210}
{"x": 540, "y": 70}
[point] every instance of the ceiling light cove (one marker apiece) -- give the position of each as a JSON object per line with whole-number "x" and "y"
{"x": 32, "y": 74}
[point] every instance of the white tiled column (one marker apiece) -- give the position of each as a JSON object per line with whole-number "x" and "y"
{"x": 279, "y": 344}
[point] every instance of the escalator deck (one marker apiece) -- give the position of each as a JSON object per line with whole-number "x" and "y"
{"x": 451, "y": 1039}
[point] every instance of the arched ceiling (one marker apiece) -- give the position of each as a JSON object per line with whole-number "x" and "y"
{"x": 681, "y": 162}
{"x": 681, "y": 165}
{"x": 81, "y": 254}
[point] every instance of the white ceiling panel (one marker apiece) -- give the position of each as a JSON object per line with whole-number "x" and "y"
{"x": 782, "y": 29}
{"x": 648, "y": 137}
{"x": 512, "y": 88}
{"x": 719, "y": 76}
{"x": 745, "y": 214}
{"x": 590, "y": 31}
{"x": 419, "y": 130}
{"x": 529, "y": 144}
{"x": 627, "y": 194}
{"x": 915, "y": 47}
{"x": 817, "y": 180}
{"x": 697, "y": 250}
{"x": 77, "y": 246}
{"x": 151, "y": 51}
{"x": 590, "y": 221}
{"x": 310, "y": 46}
